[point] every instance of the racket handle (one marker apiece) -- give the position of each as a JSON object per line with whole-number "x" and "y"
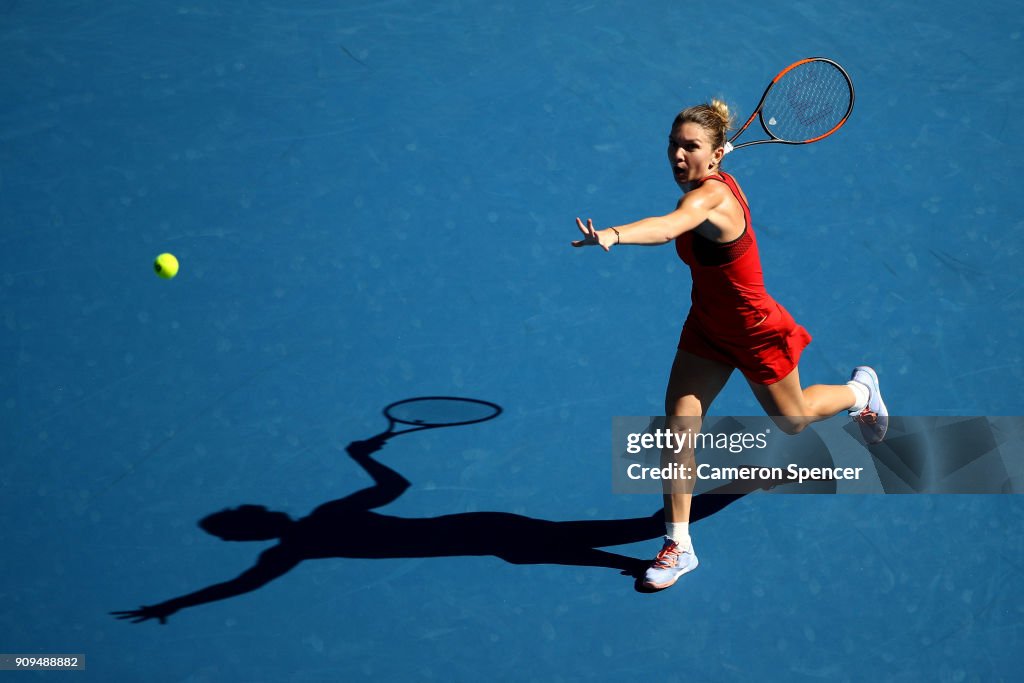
{"x": 367, "y": 447}
{"x": 728, "y": 147}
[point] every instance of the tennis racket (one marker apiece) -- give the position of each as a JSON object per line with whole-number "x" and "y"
{"x": 808, "y": 101}
{"x": 432, "y": 412}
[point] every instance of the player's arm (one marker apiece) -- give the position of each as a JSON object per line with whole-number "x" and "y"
{"x": 694, "y": 208}
{"x": 388, "y": 485}
{"x": 271, "y": 564}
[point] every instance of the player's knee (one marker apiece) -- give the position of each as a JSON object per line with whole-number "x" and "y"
{"x": 790, "y": 424}
{"x": 684, "y": 406}
{"x": 682, "y": 424}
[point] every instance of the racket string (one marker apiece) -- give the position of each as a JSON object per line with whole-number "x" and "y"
{"x": 807, "y": 102}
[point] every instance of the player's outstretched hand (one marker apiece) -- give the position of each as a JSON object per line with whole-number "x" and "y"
{"x": 592, "y": 236}
{"x": 146, "y": 612}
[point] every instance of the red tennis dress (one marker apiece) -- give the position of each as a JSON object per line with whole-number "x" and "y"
{"x": 732, "y": 317}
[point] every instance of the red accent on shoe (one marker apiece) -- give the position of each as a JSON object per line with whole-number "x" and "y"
{"x": 867, "y": 416}
{"x": 668, "y": 557}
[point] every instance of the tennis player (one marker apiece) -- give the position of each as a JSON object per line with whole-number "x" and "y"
{"x": 733, "y": 322}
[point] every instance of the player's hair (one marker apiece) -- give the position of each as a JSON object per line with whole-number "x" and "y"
{"x": 713, "y": 116}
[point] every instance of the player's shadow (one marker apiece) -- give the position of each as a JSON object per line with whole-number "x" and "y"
{"x": 350, "y": 528}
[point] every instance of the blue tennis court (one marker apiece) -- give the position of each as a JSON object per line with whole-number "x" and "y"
{"x": 373, "y": 202}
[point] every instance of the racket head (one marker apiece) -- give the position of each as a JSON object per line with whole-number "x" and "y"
{"x": 440, "y": 411}
{"x": 808, "y": 101}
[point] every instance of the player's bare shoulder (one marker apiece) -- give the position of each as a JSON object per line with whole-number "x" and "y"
{"x": 725, "y": 214}
{"x": 708, "y": 196}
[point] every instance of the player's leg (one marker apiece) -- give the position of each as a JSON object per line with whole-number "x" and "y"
{"x": 693, "y": 384}
{"x": 793, "y": 408}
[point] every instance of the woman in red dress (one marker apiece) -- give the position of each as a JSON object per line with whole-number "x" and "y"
{"x": 733, "y": 322}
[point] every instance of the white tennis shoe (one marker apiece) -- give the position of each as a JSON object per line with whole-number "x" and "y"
{"x": 671, "y": 563}
{"x": 874, "y": 418}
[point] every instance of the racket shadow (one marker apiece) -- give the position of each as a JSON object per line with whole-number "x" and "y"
{"x": 349, "y": 527}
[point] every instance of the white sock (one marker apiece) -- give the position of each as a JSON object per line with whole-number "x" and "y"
{"x": 680, "y": 533}
{"x": 860, "y": 393}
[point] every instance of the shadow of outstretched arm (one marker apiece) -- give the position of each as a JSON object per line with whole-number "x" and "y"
{"x": 271, "y": 564}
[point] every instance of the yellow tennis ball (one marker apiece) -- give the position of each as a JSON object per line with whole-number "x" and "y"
{"x": 166, "y": 266}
